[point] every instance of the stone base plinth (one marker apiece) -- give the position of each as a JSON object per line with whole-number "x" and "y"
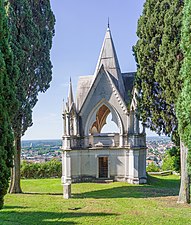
{"x": 67, "y": 191}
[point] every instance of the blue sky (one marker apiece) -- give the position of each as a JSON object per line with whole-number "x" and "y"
{"x": 80, "y": 30}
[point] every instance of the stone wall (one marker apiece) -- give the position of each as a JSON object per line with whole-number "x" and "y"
{"x": 123, "y": 164}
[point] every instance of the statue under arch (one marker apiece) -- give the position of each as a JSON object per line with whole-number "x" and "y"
{"x": 88, "y": 154}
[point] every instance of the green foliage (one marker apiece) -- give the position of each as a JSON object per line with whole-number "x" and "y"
{"x": 159, "y": 58}
{"x": 32, "y": 29}
{"x": 184, "y": 101}
{"x": 168, "y": 163}
{"x": 175, "y": 152}
{"x": 171, "y": 160}
{"x": 48, "y": 169}
{"x": 7, "y": 104}
{"x": 152, "y": 167}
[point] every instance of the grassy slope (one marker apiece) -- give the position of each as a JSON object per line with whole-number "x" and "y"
{"x": 114, "y": 203}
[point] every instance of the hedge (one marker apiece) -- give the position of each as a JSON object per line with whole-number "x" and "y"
{"x": 49, "y": 169}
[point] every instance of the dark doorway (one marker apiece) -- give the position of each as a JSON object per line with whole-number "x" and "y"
{"x": 103, "y": 167}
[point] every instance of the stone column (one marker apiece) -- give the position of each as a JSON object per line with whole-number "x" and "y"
{"x": 120, "y": 140}
{"x": 131, "y": 122}
{"x": 75, "y": 125}
{"x": 68, "y": 124}
{"x": 64, "y": 123}
{"x": 136, "y": 123}
{"x": 66, "y": 176}
{"x": 133, "y": 167}
{"x": 126, "y": 165}
{"x": 142, "y": 167}
{"x": 67, "y": 144}
{"x": 67, "y": 191}
{"x": 136, "y": 165}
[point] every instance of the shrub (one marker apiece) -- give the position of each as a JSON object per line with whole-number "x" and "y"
{"x": 48, "y": 169}
{"x": 152, "y": 167}
{"x": 168, "y": 163}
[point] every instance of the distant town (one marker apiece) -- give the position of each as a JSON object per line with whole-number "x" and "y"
{"x": 41, "y": 150}
{"x": 156, "y": 148}
{"x": 44, "y": 150}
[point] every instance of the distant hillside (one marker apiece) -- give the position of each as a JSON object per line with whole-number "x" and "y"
{"x": 158, "y": 138}
{"x": 37, "y": 143}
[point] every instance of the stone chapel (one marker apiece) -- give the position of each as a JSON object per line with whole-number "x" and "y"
{"x": 88, "y": 154}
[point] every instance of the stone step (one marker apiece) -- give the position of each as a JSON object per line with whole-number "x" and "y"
{"x": 104, "y": 180}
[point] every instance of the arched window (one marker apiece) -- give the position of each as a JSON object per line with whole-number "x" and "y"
{"x": 104, "y": 123}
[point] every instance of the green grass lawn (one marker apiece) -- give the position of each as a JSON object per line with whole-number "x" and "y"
{"x": 114, "y": 203}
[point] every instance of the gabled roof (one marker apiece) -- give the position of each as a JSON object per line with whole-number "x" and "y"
{"x": 115, "y": 90}
{"x": 84, "y": 84}
{"x": 117, "y": 93}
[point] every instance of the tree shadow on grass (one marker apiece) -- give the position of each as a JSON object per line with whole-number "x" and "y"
{"x": 14, "y": 207}
{"x": 156, "y": 187}
{"x": 44, "y": 218}
{"x": 42, "y": 193}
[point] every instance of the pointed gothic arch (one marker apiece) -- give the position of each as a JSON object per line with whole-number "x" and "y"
{"x": 100, "y": 121}
{"x": 97, "y": 117}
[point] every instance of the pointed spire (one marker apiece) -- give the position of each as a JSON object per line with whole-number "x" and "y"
{"x": 108, "y": 56}
{"x": 70, "y": 95}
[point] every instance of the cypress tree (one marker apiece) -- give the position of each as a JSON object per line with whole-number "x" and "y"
{"x": 159, "y": 58}
{"x": 183, "y": 108}
{"x": 158, "y": 76}
{"x": 32, "y": 28}
{"x": 7, "y": 103}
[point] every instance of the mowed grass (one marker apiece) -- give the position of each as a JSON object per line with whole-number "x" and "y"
{"x": 91, "y": 203}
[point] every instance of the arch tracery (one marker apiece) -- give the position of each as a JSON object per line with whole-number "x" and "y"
{"x": 97, "y": 118}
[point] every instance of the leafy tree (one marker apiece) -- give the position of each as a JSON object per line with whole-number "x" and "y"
{"x": 32, "y": 28}
{"x": 159, "y": 59}
{"x": 184, "y": 105}
{"x": 152, "y": 167}
{"x": 171, "y": 160}
{"x": 7, "y": 103}
{"x": 168, "y": 162}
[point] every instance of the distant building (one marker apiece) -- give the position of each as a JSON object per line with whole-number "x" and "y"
{"x": 89, "y": 154}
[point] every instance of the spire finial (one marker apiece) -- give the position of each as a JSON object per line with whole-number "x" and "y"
{"x": 108, "y": 24}
{"x": 70, "y": 94}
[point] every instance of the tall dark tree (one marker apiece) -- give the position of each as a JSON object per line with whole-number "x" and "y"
{"x": 184, "y": 104}
{"x": 159, "y": 59}
{"x": 7, "y": 103}
{"x": 32, "y": 28}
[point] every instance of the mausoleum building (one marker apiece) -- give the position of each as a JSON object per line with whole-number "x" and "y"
{"x": 89, "y": 154}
